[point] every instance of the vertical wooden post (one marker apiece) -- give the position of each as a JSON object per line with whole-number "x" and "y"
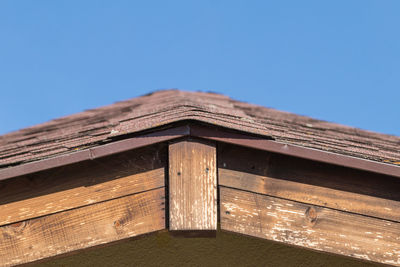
{"x": 192, "y": 186}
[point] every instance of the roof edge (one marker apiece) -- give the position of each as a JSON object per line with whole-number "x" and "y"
{"x": 296, "y": 151}
{"x": 95, "y": 152}
{"x": 205, "y": 132}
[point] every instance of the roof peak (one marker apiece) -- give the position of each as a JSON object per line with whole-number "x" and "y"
{"x": 162, "y": 107}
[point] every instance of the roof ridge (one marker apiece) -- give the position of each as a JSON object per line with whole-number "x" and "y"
{"x": 163, "y": 107}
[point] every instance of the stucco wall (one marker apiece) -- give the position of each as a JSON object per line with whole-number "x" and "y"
{"x": 227, "y": 249}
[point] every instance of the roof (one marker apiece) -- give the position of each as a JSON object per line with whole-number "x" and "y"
{"x": 106, "y": 124}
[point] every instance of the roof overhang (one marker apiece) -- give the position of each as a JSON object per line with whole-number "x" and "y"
{"x": 190, "y": 129}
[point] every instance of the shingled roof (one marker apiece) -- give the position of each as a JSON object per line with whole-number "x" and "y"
{"x": 106, "y": 124}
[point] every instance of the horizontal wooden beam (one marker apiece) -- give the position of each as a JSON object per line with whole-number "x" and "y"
{"x": 310, "y": 226}
{"x": 83, "y": 227}
{"x": 311, "y": 194}
{"x": 80, "y": 196}
{"x": 82, "y": 184}
{"x": 309, "y": 182}
{"x": 192, "y": 186}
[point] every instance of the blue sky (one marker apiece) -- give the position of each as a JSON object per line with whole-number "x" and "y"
{"x": 332, "y": 60}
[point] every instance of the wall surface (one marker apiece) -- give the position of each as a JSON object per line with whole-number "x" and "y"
{"x": 227, "y": 249}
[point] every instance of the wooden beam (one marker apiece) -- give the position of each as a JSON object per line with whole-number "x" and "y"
{"x": 309, "y": 182}
{"x": 311, "y": 194}
{"x": 310, "y": 226}
{"x": 192, "y": 186}
{"x": 83, "y": 227}
{"x": 80, "y": 196}
{"x": 82, "y": 184}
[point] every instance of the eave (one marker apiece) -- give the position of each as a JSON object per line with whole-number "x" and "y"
{"x": 200, "y": 130}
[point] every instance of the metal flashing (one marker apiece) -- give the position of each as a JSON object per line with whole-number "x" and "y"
{"x": 204, "y": 132}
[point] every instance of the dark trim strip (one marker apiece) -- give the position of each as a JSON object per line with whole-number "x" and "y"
{"x": 296, "y": 151}
{"x": 95, "y": 152}
{"x": 210, "y": 133}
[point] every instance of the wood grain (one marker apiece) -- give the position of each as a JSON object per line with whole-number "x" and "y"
{"x": 192, "y": 186}
{"x": 311, "y": 194}
{"x": 310, "y": 226}
{"x": 82, "y": 227}
{"x": 310, "y": 182}
{"x": 81, "y": 184}
{"x": 80, "y": 196}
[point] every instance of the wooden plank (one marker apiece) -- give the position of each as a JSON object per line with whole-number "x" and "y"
{"x": 311, "y": 194}
{"x": 80, "y": 196}
{"x": 310, "y": 182}
{"x": 81, "y": 184}
{"x": 310, "y": 226}
{"x": 192, "y": 186}
{"x": 83, "y": 227}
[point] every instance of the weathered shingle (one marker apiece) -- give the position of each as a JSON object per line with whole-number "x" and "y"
{"x": 96, "y": 126}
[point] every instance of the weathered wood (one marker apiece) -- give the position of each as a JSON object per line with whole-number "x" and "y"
{"x": 192, "y": 186}
{"x": 310, "y": 226}
{"x": 81, "y": 184}
{"x": 310, "y": 182}
{"x": 311, "y": 194}
{"x": 82, "y": 227}
{"x": 80, "y": 196}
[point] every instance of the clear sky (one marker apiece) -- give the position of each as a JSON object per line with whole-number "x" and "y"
{"x": 333, "y": 60}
